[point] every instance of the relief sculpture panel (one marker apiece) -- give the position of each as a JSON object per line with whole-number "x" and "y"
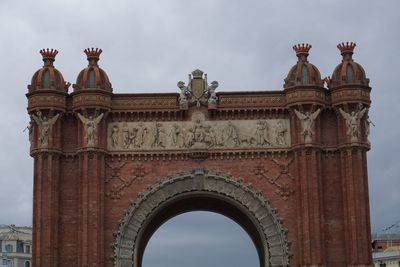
{"x": 198, "y": 133}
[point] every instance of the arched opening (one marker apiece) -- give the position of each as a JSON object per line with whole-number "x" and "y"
{"x": 199, "y": 201}
{"x": 200, "y": 238}
{"x": 201, "y": 190}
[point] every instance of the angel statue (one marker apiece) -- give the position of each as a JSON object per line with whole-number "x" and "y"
{"x": 353, "y": 122}
{"x": 307, "y": 122}
{"x": 90, "y": 125}
{"x": 30, "y": 130}
{"x": 45, "y": 127}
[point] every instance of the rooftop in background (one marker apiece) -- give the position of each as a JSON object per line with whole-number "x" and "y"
{"x": 12, "y": 232}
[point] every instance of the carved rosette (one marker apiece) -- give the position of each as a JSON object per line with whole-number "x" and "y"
{"x": 244, "y": 196}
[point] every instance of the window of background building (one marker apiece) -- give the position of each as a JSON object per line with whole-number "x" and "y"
{"x": 9, "y": 248}
{"x": 27, "y": 264}
{"x": 20, "y": 246}
{"x": 1, "y": 246}
{"x": 7, "y": 263}
{"x": 28, "y": 249}
{"x": 382, "y": 265}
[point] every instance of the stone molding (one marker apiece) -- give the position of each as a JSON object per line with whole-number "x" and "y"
{"x": 274, "y": 235}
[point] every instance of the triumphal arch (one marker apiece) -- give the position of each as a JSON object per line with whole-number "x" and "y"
{"x": 288, "y": 165}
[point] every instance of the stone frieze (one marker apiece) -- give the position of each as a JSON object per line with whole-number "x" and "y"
{"x": 198, "y": 133}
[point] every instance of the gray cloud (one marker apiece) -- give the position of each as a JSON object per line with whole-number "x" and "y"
{"x": 200, "y": 239}
{"x": 150, "y": 45}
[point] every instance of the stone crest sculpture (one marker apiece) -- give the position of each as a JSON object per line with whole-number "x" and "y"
{"x": 197, "y": 93}
{"x": 353, "y": 122}
{"x": 90, "y": 125}
{"x": 307, "y": 122}
{"x": 45, "y": 127}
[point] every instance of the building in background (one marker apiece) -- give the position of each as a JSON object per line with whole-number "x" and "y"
{"x": 15, "y": 246}
{"x": 386, "y": 250}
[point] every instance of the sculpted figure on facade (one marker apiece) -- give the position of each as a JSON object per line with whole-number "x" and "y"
{"x": 183, "y": 101}
{"x": 212, "y": 136}
{"x": 133, "y": 138}
{"x": 232, "y": 135}
{"x": 30, "y": 130}
{"x": 262, "y": 133}
{"x": 280, "y": 131}
{"x": 159, "y": 139}
{"x": 45, "y": 127}
{"x": 90, "y": 125}
{"x": 211, "y": 92}
{"x": 353, "y": 122}
{"x": 189, "y": 138}
{"x": 114, "y": 136}
{"x": 144, "y": 135}
{"x": 368, "y": 123}
{"x": 125, "y": 135}
{"x": 177, "y": 137}
{"x": 307, "y": 122}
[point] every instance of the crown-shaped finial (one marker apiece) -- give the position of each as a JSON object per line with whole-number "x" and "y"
{"x": 302, "y": 49}
{"x": 197, "y": 74}
{"x": 346, "y": 48}
{"x": 48, "y": 55}
{"x": 93, "y": 55}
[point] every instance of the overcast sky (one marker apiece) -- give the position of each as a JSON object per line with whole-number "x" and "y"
{"x": 150, "y": 45}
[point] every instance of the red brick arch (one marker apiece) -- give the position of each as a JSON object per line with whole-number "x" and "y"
{"x": 201, "y": 190}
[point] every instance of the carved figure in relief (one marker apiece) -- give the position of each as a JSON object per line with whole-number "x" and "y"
{"x": 90, "y": 125}
{"x": 176, "y": 136}
{"x": 211, "y": 92}
{"x": 199, "y": 132}
{"x": 232, "y": 135}
{"x": 262, "y": 133}
{"x": 159, "y": 136}
{"x": 189, "y": 139}
{"x": 125, "y": 134}
{"x": 246, "y": 140}
{"x": 45, "y": 127}
{"x": 211, "y": 136}
{"x": 144, "y": 137}
{"x": 133, "y": 137}
{"x": 114, "y": 136}
{"x": 307, "y": 122}
{"x": 280, "y": 131}
{"x": 353, "y": 122}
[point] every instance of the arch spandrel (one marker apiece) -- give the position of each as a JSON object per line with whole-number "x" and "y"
{"x": 215, "y": 192}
